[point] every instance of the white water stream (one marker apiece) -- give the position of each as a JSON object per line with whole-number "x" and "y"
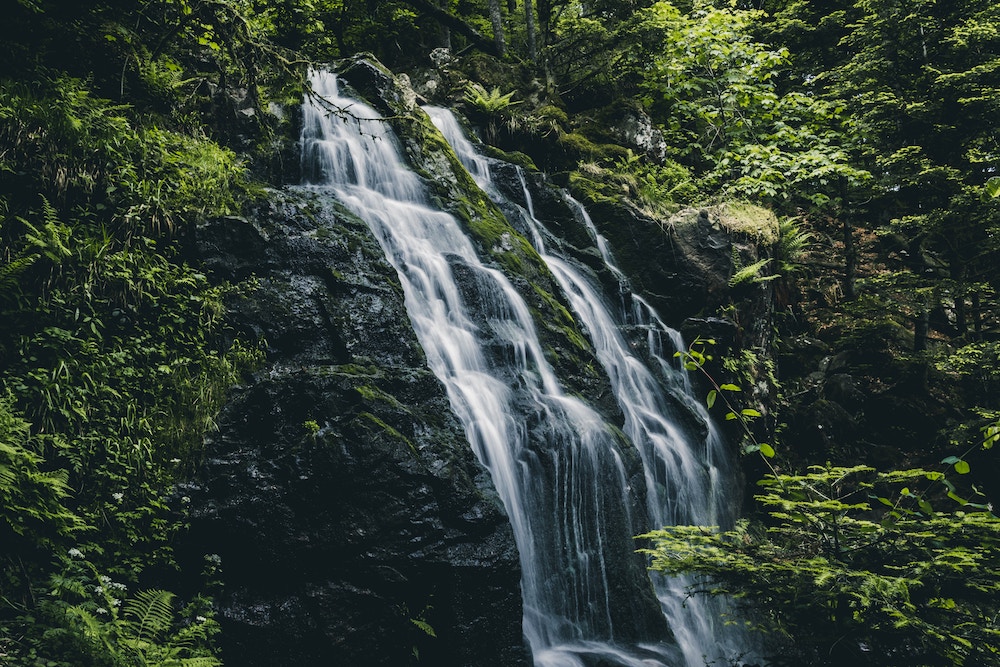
{"x": 556, "y": 464}
{"x": 687, "y": 474}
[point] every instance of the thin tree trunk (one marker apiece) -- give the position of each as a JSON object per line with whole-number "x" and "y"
{"x": 850, "y": 259}
{"x": 496, "y": 19}
{"x": 921, "y": 325}
{"x": 544, "y": 10}
{"x": 529, "y": 23}
{"x": 850, "y": 253}
{"x": 445, "y": 30}
{"x": 961, "y": 316}
{"x": 977, "y": 315}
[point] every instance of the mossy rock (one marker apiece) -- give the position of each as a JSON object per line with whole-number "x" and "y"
{"x": 758, "y": 223}
{"x": 514, "y": 157}
{"x": 578, "y": 145}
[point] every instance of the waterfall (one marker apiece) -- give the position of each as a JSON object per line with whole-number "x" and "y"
{"x": 561, "y": 470}
{"x": 686, "y": 472}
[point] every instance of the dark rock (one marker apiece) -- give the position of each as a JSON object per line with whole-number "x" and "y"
{"x": 824, "y": 427}
{"x": 724, "y": 332}
{"x": 347, "y": 507}
{"x": 844, "y": 389}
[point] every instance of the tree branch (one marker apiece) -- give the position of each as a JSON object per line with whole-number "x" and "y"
{"x": 455, "y": 23}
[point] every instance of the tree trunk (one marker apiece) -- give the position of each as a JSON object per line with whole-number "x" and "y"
{"x": 445, "y": 30}
{"x": 977, "y": 315}
{"x": 496, "y": 20}
{"x": 529, "y": 23}
{"x": 850, "y": 254}
{"x": 961, "y": 316}
{"x": 850, "y": 259}
{"x": 544, "y": 10}
{"x": 921, "y": 324}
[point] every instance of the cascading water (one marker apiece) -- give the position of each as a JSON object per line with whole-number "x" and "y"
{"x": 685, "y": 472}
{"x": 557, "y": 465}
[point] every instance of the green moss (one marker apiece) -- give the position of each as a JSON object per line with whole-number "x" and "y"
{"x": 759, "y": 223}
{"x": 514, "y": 157}
{"x": 563, "y": 323}
{"x": 388, "y": 429}
{"x": 354, "y": 370}
{"x": 553, "y": 114}
{"x": 372, "y": 393}
{"x": 589, "y": 189}
{"x": 579, "y": 145}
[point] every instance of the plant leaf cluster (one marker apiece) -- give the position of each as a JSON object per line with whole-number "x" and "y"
{"x": 853, "y": 565}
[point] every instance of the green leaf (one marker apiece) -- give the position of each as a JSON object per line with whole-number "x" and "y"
{"x": 957, "y": 498}
{"x": 962, "y": 467}
{"x": 730, "y": 416}
{"x": 749, "y": 412}
{"x": 993, "y": 187}
{"x": 767, "y": 450}
{"x": 950, "y": 460}
{"x": 729, "y": 387}
{"x": 424, "y": 626}
{"x": 710, "y": 399}
{"x": 991, "y": 434}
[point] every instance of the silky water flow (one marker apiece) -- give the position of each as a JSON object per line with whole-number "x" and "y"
{"x": 559, "y": 468}
{"x": 688, "y": 474}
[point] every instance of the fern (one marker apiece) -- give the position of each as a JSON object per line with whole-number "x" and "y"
{"x": 197, "y": 662}
{"x": 751, "y": 272}
{"x": 489, "y": 102}
{"x": 53, "y": 237}
{"x": 149, "y": 615}
{"x": 10, "y": 271}
{"x": 93, "y": 628}
{"x": 792, "y": 245}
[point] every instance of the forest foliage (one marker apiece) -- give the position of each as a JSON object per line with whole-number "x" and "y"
{"x": 866, "y": 126}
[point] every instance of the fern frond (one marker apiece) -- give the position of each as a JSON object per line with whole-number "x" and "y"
{"x": 94, "y": 628}
{"x": 10, "y": 271}
{"x": 751, "y": 272}
{"x": 199, "y": 662}
{"x": 149, "y": 615}
{"x": 488, "y": 101}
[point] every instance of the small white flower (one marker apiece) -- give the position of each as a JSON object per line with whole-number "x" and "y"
{"x": 102, "y": 610}
{"x": 200, "y": 619}
{"x": 116, "y": 602}
{"x": 118, "y": 496}
{"x": 185, "y": 499}
{"x": 175, "y": 460}
{"x": 75, "y": 553}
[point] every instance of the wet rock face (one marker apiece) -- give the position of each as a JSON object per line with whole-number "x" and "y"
{"x": 349, "y": 511}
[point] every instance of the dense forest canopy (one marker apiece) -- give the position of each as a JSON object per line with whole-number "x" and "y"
{"x": 867, "y": 126}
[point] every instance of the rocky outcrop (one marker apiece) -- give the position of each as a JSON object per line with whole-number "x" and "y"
{"x": 354, "y": 525}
